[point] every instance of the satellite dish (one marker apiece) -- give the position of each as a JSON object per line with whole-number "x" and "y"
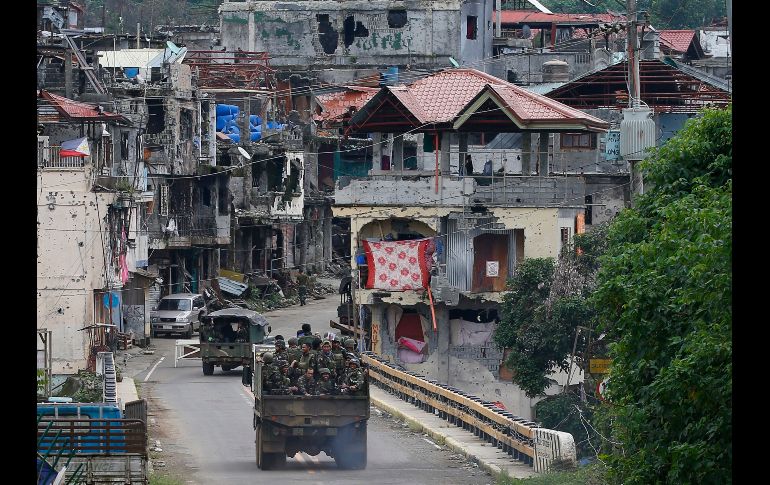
{"x": 525, "y": 32}
{"x": 244, "y": 153}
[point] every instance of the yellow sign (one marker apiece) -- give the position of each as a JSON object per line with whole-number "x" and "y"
{"x": 599, "y": 366}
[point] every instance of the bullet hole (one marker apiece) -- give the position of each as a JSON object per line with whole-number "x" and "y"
{"x": 60, "y": 311}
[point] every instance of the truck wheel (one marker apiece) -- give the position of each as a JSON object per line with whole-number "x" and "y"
{"x": 226, "y": 368}
{"x": 258, "y": 441}
{"x": 208, "y": 369}
{"x": 188, "y": 334}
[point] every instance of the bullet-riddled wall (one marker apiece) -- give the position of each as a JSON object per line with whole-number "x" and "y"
{"x": 360, "y": 33}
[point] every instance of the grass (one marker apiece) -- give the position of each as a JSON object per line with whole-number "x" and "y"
{"x": 587, "y": 475}
{"x": 165, "y": 479}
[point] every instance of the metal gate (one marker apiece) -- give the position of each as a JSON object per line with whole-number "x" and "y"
{"x": 136, "y": 410}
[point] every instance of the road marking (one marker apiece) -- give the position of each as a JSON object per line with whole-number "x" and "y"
{"x": 153, "y": 368}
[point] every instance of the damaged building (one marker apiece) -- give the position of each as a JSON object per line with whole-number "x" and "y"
{"x": 434, "y": 245}
{"x": 354, "y": 37}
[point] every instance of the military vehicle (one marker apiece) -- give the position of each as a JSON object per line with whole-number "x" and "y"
{"x": 227, "y": 337}
{"x": 288, "y": 424}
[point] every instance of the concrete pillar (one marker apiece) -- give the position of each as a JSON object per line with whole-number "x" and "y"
{"x": 542, "y": 155}
{"x": 463, "y": 143}
{"x": 444, "y": 158}
{"x": 376, "y": 151}
{"x": 68, "y": 73}
{"x": 397, "y": 162}
{"x": 252, "y": 33}
{"x": 327, "y": 237}
{"x": 526, "y": 153}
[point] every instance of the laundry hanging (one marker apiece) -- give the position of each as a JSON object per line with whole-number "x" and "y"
{"x": 397, "y": 265}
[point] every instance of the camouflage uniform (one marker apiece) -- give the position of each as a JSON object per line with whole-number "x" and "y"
{"x": 293, "y": 352}
{"x": 355, "y": 381}
{"x": 307, "y": 385}
{"x": 327, "y": 386}
{"x": 327, "y": 360}
{"x": 307, "y": 360}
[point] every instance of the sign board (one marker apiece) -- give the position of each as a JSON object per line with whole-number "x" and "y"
{"x": 599, "y": 366}
{"x": 612, "y": 145}
{"x": 493, "y": 269}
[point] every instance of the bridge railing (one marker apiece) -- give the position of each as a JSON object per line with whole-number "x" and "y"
{"x": 522, "y": 439}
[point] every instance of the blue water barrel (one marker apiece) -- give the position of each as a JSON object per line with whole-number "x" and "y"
{"x": 235, "y": 137}
{"x": 227, "y": 109}
{"x": 255, "y": 119}
{"x": 256, "y": 135}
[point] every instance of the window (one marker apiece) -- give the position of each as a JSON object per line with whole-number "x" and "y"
{"x": 163, "y": 207}
{"x": 175, "y": 304}
{"x": 124, "y": 145}
{"x": 472, "y": 27}
{"x": 578, "y": 140}
{"x": 589, "y": 209}
{"x": 396, "y": 19}
{"x": 198, "y": 302}
{"x": 565, "y": 235}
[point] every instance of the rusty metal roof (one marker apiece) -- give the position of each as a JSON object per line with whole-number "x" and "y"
{"x": 336, "y": 106}
{"x": 77, "y": 111}
{"x": 530, "y": 17}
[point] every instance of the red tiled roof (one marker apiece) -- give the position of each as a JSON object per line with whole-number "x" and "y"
{"x": 677, "y": 40}
{"x": 528, "y": 106}
{"x": 77, "y": 111}
{"x": 441, "y": 96}
{"x": 524, "y": 16}
{"x": 336, "y": 105}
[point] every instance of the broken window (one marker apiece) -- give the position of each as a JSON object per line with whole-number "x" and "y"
{"x": 327, "y": 36}
{"x": 396, "y": 19}
{"x": 156, "y": 116}
{"x": 163, "y": 206}
{"x": 353, "y": 29}
{"x": 185, "y": 124}
{"x": 472, "y": 27}
{"x": 223, "y": 199}
{"x": 578, "y": 140}
{"x": 206, "y": 196}
{"x": 124, "y": 145}
{"x": 589, "y": 209}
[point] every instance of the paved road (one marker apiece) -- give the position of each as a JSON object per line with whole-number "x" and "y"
{"x": 205, "y": 426}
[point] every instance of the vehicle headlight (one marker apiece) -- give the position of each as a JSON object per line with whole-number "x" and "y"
{"x": 154, "y": 319}
{"x": 181, "y": 319}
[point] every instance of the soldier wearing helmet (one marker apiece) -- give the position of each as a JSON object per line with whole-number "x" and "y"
{"x": 306, "y": 384}
{"x": 326, "y": 385}
{"x": 280, "y": 350}
{"x": 293, "y": 352}
{"x": 355, "y": 381}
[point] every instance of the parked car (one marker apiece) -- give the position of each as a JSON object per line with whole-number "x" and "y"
{"x": 178, "y": 313}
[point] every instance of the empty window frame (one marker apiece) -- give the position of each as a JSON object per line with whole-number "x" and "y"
{"x": 472, "y": 23}
{"x": 163, "y": 206}
{"x": 580, "y": 141}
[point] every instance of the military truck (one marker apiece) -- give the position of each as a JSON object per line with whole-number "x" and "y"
{"x": 287, "y": 424}
{"x": 227, "y": 337}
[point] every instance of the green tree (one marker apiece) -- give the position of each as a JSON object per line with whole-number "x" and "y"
{"x": 663, "y": 296}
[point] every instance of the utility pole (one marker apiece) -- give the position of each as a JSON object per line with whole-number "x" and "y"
{"x": 637, "y": 130}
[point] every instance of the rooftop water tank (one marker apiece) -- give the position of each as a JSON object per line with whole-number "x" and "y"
{"x": 555, "y": 71}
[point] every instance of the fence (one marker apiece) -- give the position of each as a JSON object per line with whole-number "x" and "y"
{"x": 521, "y": 439}
{"x": 49, "y": 157}
{"x": 92, "y": 436}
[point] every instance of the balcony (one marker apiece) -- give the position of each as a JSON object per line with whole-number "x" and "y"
{"x": 50, "y": 158}
{"x": 493, "y": 190}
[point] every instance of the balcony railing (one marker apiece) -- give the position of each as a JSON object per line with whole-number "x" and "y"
{"x": 49, "y": 157}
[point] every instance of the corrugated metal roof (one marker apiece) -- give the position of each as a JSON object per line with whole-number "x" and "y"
{"x": 542, "y": 88}
{"x": 336, "y": 105}
{"x": 527, "y": 16}
{"x": 77, "y": 111}
{"x": 231, "y": 287}
{"x": 128, "y": 57}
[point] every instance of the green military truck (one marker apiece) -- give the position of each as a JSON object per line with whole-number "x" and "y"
{"x": 227, "y": 337}
{"x": 287, "y": 424}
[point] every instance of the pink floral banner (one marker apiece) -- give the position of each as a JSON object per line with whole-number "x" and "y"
{"x": 397, "y": 265}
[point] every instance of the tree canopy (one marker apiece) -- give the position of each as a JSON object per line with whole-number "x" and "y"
{"x": 664, "y": 296}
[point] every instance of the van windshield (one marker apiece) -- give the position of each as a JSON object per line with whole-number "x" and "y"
{"x": 174, "y": 304}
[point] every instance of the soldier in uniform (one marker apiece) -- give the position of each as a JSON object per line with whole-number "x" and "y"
{"x": 327, "y": 385}
{"x": 355, "y": 381}
{"x": 305, "y": 335}
{"x": 306, "y": 360}
{"x": 294, "y": 352}
{"x": 269, "y": 372}
{"x": 325, "y": 358}
{"x": 339, "y": 358}
{"x": 280, "y": 351}
{"x": 306, "y": 384}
